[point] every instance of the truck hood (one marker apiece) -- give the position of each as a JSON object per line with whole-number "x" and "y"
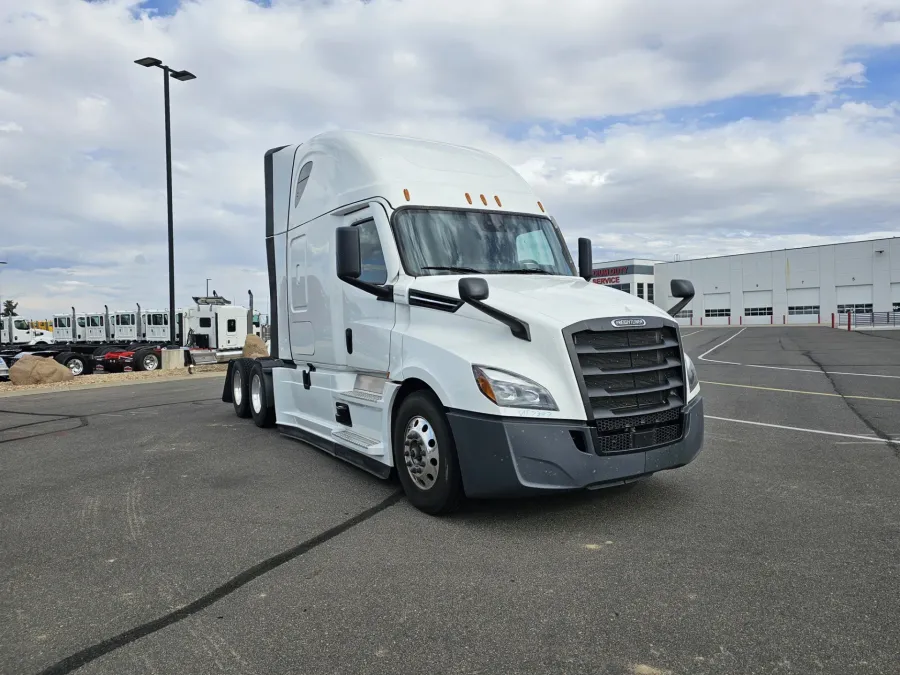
{"x": 560, "y": 300}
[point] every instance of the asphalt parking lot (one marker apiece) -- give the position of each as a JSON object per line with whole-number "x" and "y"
{"x": 146, "y": 529}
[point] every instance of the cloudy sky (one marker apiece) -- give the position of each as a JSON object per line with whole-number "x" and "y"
{"x": 655, "y": 127}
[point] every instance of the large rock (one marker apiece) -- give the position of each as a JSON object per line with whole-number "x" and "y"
{"x": 254, "y": 346}
{"x": 38, "y": 370}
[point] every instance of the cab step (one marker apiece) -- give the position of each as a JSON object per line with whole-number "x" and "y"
{"x": 358, "y": 442}
{"x": 362, "y": 397}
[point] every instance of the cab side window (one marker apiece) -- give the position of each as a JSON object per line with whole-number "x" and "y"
{"x": 374, "y": 269}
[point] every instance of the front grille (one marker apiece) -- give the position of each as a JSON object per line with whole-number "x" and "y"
{"x": 634, "y": 381}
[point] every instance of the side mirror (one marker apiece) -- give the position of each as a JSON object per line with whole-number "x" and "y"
{"x": 349, "y": 265}
{"x": 585, "y": 259}
{"x": 684, "y": 289}
{"x": 473, "y": 288}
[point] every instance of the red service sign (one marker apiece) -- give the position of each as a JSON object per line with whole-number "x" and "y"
{"x": 605, "y": 280}
{"x": 610, "y": 271}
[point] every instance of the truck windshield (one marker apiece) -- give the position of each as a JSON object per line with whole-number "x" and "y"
{"x": 436, "y": 241}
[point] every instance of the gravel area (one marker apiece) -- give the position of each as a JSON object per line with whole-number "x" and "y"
{"x": 114, "y": 378}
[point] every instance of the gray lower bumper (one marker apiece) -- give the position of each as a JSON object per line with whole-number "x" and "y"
{"x": 503, "y": 457}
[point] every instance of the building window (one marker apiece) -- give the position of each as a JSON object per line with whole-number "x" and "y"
{"x": 803, "y": 309}
{"x": 685, "y": 314}
{"x": 860, "y": 308}
{"x": 650, "y": 293}
{"x": 205, "y": 322}
{"x": 897, "y": 306}
{"x": 757, "y": 311}
{"x": 717, "y": 313}
{"x": 625, "y": 288}
{"x": 640, "y": 290}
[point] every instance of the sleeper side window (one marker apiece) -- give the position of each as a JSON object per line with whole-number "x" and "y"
{"x": 302, "y": 179}
{"x": 374, "y": 269}
{"x": 205, "y": 322}
{"x": 232, "y": 325}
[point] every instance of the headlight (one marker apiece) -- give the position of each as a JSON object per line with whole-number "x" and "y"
{"x": 512, "y": 391}
{"x": 692, "y": 380}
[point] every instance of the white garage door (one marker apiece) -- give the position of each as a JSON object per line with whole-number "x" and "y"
{"x": 803, "y": 305}
{"x": 757, "y": 307}
{"x": 716, "y": 308}
{"x": 854, "y": 299}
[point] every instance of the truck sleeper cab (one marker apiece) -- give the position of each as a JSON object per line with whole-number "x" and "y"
{"x": 427, "y": 317}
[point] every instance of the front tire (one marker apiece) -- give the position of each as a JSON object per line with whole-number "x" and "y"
{"x": 75, "y": 362}
{"x": 425, "y": 455}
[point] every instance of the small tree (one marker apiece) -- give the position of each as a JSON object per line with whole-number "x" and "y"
{"x": 9, "y": 308}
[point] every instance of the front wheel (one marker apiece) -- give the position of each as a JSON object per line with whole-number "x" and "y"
{"x": 425, "y": 455}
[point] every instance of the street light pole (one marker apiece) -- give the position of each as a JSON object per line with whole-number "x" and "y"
{"x": 3, "y": 262}
{"x": 183, "y": 76}
{"x": 165, "y": 70}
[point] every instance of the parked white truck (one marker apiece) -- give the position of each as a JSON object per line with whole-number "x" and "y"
{"x": 18, "y": 331}
{"x": 427, "y": 317}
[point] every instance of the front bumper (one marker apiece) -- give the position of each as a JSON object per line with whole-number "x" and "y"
{"x": 508, "y": 457}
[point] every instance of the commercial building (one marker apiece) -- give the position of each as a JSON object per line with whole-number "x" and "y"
{"x": 633, "y": 276}
{"x": 801, "y": 285}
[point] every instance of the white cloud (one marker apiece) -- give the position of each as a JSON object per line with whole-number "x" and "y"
{"x": 83, "y": 124}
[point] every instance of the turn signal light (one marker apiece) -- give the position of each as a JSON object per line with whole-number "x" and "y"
{"x": 485, "y": 386}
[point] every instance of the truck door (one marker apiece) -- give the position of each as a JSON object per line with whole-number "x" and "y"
{"x": 368, "y": 321}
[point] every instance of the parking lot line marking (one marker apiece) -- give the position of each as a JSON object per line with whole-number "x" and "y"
{"x": 694, "y": 333}
{"x": 702, "y": 357}
{"x": 811, "y": 370}
{"x": 808, "y": 431}
{"x": 798, "y": 391}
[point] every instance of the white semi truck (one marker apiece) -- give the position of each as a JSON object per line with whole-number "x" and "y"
{"x": 18, "y": 331}
{"x": 427, "y": 317}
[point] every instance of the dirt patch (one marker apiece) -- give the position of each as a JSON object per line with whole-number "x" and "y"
{"x": 114, "y": 378}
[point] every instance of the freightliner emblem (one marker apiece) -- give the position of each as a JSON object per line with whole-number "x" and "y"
{"x": 628, "y": 323}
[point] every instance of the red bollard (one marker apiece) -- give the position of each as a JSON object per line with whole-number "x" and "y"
{"x": 783, "y": 318}
{"x": 741, "y": 320}
{"x": 729, "y": 319}
{"x": 701, "y": 320}
{"x": 849, "y": 321}
{"x": 832, "y": 319}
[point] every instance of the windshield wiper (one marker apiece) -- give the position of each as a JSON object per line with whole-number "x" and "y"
{"x": 450, "y": 268}
{"x": 524, "y": 270}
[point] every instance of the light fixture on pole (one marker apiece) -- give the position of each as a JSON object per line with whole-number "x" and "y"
{"x": 181, "y": 76}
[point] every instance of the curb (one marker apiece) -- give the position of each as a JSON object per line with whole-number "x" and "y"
{"x": 101, "y": 385}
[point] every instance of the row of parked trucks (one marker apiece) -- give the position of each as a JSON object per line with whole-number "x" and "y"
{"x": 132, "y": 339}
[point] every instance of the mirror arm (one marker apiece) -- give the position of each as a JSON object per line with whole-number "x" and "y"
{"x": 517, "y": 327}
{"x": 680, "y": 305}
{"x": 385, "y": 293}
